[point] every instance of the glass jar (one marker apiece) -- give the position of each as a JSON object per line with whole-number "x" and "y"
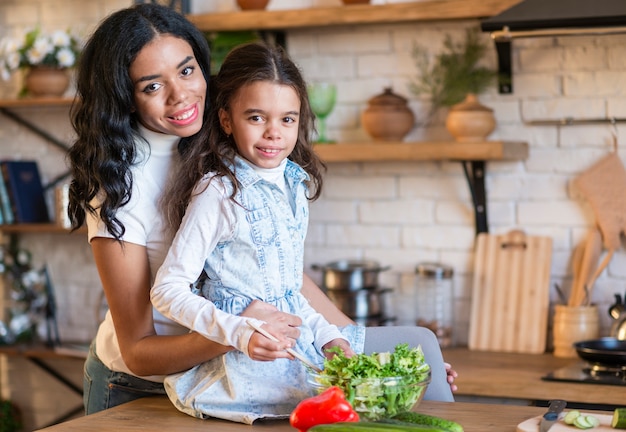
{"x": 435, "y": 298}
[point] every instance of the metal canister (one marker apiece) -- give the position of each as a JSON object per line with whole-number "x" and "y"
{"x": 435, "y": 300}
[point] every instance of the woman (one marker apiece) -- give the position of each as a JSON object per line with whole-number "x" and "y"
{"x": 138, "y": 103}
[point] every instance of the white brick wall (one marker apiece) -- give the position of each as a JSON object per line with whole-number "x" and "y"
{"x": 397, "y": 213}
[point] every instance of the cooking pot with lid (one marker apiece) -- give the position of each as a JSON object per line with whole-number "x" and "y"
{"x": 350, "y": 275}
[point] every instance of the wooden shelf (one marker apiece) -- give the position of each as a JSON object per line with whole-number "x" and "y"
{"x": 35, "y": 102}
{"x": 429, "y": 10}
{"x": 422, "y": 151}
{"x": 37, "y": 229}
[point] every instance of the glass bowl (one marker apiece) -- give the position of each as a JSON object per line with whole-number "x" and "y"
{"x": 376, "y": 398}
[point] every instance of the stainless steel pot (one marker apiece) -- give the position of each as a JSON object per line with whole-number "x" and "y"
{"x": 364, "y": 303}
{"x": 350, "y": 275}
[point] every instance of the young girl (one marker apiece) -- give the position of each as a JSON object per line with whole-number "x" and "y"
{"x": 245, "y": 226}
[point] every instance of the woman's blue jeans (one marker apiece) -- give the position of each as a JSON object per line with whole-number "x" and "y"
{"x": 104, "y": 388}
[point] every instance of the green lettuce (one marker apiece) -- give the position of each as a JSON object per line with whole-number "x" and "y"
{"x": 379, "y": 385}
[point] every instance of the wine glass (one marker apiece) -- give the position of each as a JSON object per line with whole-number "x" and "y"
{"x": 322, "y": 97}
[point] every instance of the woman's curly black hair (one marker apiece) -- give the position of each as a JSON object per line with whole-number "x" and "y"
{"x": 102, "y": 114}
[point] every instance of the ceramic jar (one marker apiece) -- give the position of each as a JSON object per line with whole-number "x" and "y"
{"x": 573, "y": 324}
{"x": 252, "y": 4}
{"x": 470, "y": 121}
{"x": 388, "y": 117}
{"x": 46, "y": 81}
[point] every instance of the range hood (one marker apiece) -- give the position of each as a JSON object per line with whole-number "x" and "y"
{"x": 542, "y": 18}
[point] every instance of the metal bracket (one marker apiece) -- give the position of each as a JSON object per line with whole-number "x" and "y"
{"x": 505, "y": 68}
{"x": 476, "y": 182}
{"x": 43, "y": 134}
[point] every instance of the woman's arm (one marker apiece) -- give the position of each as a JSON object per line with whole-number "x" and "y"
{"x": 322, "y": 304}
{"x": 125, "y": 274}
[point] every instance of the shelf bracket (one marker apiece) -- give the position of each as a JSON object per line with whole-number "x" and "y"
{"x": 476, "y": 182}
{"x": 43, "y": 134}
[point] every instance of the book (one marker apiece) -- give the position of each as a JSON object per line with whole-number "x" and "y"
{"x": 25, "y": 191}
{"x": 5, "y": 203}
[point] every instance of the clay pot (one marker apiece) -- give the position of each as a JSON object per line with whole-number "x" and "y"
{"x": 388, "y": 117}
{"x": 46, "y": 81}
{"x": 252, "y": 4}
{"x": 470, "y": 121}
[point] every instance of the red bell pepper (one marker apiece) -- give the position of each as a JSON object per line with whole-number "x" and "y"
{"x": 328, "y": 407}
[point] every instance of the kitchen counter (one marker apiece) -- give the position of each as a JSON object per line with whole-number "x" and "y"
{"x": 512, "y": 376}
{"x": 157, "y": 413}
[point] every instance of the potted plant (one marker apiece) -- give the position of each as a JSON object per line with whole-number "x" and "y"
{"x": 10, "y": 418}
{"x": 44, "y": 56}
{"x": 453, "y": 80}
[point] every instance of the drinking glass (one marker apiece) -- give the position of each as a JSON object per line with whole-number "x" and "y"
{"x": 322, "y": 97}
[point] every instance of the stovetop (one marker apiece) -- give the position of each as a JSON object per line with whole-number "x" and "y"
{"x": 582, "y": 372}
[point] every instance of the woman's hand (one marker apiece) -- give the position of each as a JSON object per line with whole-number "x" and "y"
{"x": 451, "y": 376}
{"x": 343, "y": 344}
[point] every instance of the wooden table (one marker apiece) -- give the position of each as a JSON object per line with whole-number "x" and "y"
{"x": 518, "y": 376}
{"x": 158, "y": 414}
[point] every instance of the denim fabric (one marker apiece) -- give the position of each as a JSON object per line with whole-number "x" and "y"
{"x": 104, "y": 388}
{"x": 263, "y": 260}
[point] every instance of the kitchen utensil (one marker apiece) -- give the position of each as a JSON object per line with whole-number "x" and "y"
{"x": 363, "y": 303}
{"x": 551, "y": 417}
{"x": 604, "y": 186}
{"x": 616, "y": 308}
{"x": 532, "y": 424}
{"x": 607, "y": 351}
{"x": 587, "y": 271}
{"x": 618, "y": 329}
{"x": 510, "y": 293}
{"x": 293, "y": 352}
{"x": 350, "y": 275}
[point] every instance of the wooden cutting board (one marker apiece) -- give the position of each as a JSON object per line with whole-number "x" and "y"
{"x": 532, "y": 425}
{"x": 510, "y": 293}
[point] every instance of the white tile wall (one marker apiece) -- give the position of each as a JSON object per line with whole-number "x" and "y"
{"x": 397, "y": 213}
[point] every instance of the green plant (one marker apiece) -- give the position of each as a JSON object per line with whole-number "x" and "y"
{"x": 10, "y": 418}
{"x": 223, "y": 41}
{"x": 454, "y": 72}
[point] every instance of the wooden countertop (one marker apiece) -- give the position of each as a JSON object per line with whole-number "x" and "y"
{"x": 518, "y": 376}
{"x": 157, "y": 413}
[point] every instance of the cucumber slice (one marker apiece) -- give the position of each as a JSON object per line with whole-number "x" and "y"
{"x": 582, "y": 423}
{"x": 619, "y": 418}
{"x": 592, "y": 420}
{"x": 571, "y": 416}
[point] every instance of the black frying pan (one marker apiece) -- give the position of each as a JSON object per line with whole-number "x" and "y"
{"x": 606, "y": 351}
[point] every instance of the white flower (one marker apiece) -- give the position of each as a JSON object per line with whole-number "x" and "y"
{"x": 60, "y": 39}
{"x": 65, "y": 57}
{"x": 41, "y": 48}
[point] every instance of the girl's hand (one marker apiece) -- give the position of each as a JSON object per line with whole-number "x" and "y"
{"x": 341, "y": 343}
{"x": 261, "y": 348}
{"x": 451, "y": 376}
{"x": 281, "y": 324}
